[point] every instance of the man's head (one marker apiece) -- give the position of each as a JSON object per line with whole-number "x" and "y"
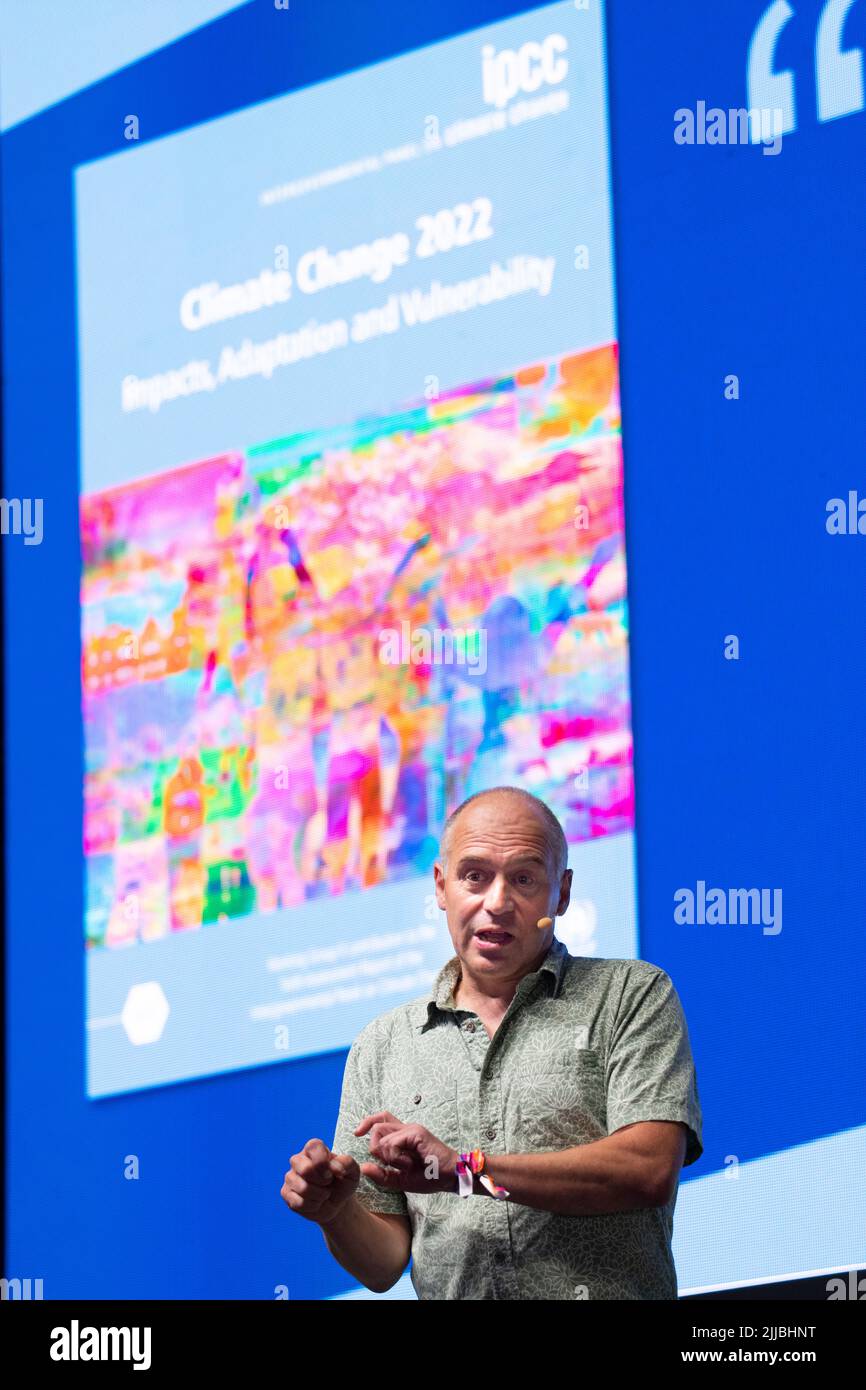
{"x": 501, "y": 867}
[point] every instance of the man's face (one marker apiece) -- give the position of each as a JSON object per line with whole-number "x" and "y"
{"x": 500, "y": 880}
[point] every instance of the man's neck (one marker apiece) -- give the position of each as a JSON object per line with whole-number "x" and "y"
{"x": 481, "y": 1002}
{"x": 467, "y": 994}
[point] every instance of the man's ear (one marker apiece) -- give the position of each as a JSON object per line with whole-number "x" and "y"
{"x": 564, "y": 892}
{"x": 439, "y": 884}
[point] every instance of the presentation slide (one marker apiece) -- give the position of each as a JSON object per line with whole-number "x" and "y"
{"x": 352, "y": 539}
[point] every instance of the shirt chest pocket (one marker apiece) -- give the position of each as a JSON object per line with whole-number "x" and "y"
{"x": 560, "y": 1104}
{"x": 430, "y": 1101}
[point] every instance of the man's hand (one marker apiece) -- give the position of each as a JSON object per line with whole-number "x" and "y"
{"x": 417, "y": 1161}
{"x": 319, "y": 1183}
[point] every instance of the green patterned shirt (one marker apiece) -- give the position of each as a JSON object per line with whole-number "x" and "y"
{"x": 586, "y": 1046}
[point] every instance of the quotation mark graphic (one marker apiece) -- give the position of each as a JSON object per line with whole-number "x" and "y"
{"x": 838, "y": 74}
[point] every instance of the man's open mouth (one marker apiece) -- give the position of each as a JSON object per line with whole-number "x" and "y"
{"x": 495, "y": 936}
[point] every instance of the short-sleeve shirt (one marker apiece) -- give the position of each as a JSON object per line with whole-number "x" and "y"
{"x": 585, "y": 1047}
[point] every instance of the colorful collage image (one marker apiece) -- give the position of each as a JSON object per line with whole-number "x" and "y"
{"x": 296, "y": 660}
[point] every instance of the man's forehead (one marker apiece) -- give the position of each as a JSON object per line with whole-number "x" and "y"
{"x": 499, "y": 814}
{"x": 493, "y": 835}
{"x": 479, "y": 853}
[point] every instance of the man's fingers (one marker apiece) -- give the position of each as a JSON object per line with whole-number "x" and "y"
{"x": 342, "y": 1165}
{"x": 319, "y": 1165}
{"x": 395, "y": 1144}
{"x": 380, "y": 1116}
{"x": 314, "y": 1163}
{"x": 316, "y": 1149}
{"x": 384, "y": 1140}
{"x": 382, "y": 1177}
{"x": 295, "y": 1191}
{"x": 318, "y": 1181}
{"x": 397, "y": 1160}
{"x": 314, "y": 1170}
{"x": 300, "y": 1186}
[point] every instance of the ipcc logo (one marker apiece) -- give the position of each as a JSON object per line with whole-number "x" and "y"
{"x": 508, "y": 72}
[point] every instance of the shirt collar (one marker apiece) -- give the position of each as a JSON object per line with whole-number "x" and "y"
{"x": 440, "y": 996}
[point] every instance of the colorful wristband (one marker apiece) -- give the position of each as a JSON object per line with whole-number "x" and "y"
{"x": 473, "y": 1162}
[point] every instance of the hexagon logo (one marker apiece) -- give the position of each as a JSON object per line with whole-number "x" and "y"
{"x": 144, "y": 1013}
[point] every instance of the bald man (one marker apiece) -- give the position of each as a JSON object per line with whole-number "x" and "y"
{"x": 566, "y": 1083}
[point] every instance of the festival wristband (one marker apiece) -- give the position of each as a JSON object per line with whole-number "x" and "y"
{"x": 473, "y": 1162}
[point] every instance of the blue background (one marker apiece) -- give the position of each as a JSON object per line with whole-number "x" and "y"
{"x": 749, "y": 773}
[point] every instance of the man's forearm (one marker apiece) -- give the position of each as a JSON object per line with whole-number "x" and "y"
{"x": 603, "y": 1176}
{"x": 374, "y": 1252}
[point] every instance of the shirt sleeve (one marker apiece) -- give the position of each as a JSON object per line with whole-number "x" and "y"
{"x": 359, "y": 1098}
{"x": 650, "y": 1069}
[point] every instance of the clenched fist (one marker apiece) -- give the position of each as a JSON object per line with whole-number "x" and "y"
{"x": 319, "y": 1183}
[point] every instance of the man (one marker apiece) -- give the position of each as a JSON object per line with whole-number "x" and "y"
{"x": 573, "y": 1076}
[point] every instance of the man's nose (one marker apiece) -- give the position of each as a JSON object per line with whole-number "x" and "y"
{"x": 497, "y": 899}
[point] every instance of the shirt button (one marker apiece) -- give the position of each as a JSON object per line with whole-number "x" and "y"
{"x": 470, "y": 1027}
{"x": 490, "y": 1133}
{"x": 417, "y": 1098}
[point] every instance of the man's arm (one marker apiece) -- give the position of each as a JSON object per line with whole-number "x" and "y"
{"x": 374, "y": 1247}
{"x": 638, "y": 1166}
{"x": 371, "y": 1237}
